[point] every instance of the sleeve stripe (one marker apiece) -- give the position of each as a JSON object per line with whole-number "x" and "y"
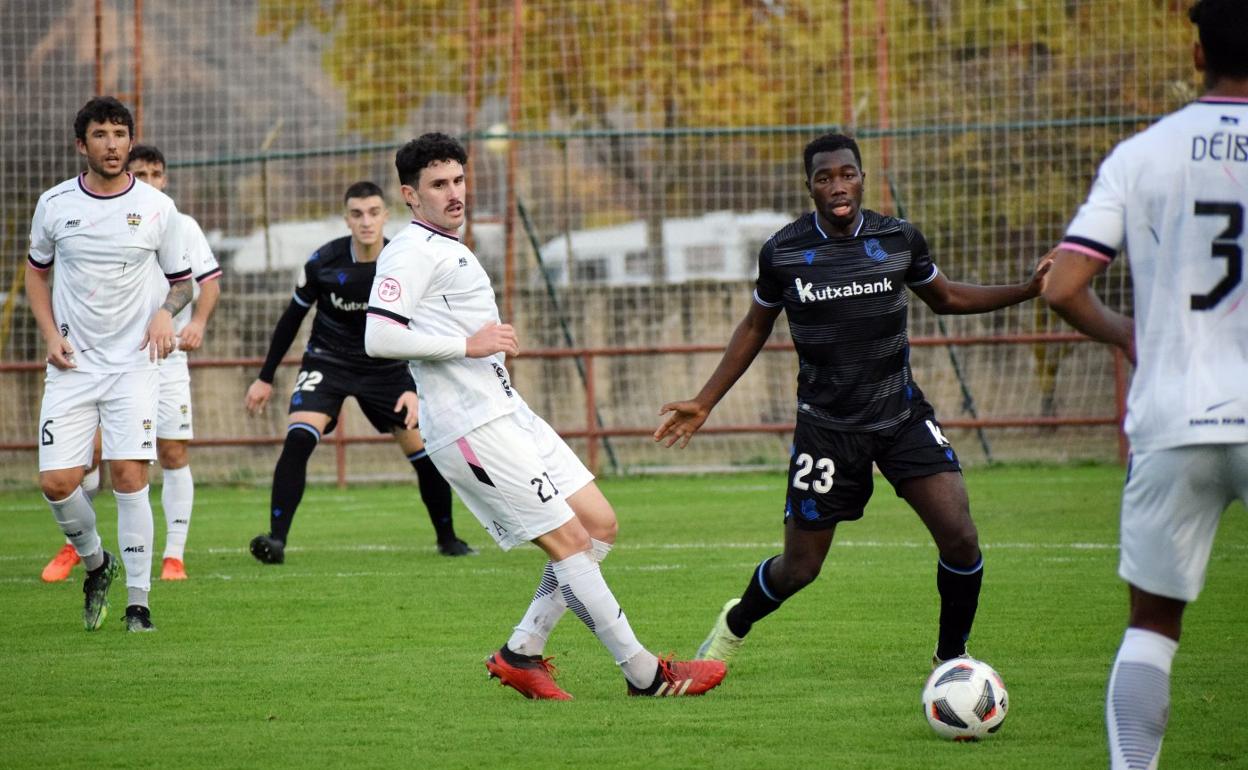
{"x": 36, "y": 264}
{"x": 208, "y": 276}
{"x": 388, "y": 315}
{"x": 927, "y": 280}
{"x": 1088, "y": 246}
{"x": 300, "y": 300}
{"x": 181, "y": 275}
{"x": 764, "y": 302}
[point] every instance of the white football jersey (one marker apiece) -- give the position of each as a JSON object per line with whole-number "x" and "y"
{"x": 204, "y": 268}
{"x": 105, "y": 248}
{"x": 1173, "y": 196}
{"x": 431, "y": 283}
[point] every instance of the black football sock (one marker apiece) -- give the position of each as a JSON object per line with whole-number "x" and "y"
{"x": 759, "y": 600}
{"x": 959, "y": 598}
{"x": 290, "y": 477}
{"x": 436, "y": 494}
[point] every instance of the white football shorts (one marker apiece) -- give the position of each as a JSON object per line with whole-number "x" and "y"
{"x": 173, "y": 419}
{"x": 515, "y": 474}
{"x": 1171, "y": 506}
{"x": 122, "y": 405}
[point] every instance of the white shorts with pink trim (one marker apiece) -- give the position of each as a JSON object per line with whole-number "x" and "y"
{"x": 515, "y": 474}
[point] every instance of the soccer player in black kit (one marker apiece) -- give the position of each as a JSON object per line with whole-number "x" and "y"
{"x": 841, "y": 274}
{"x": 338, "y": 279}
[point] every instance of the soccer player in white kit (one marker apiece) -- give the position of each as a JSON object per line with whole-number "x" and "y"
{"x": 1173, "y": 196}
{"x": 432, "y": 304}
{"x": 174, "y": 421}
{"x": 105, "y": 330}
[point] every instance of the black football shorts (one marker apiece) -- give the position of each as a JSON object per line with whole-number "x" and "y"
{"x": 322, "y": 386}
{"x": 830, "y": 470}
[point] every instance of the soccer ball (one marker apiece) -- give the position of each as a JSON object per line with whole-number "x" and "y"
{"x": 965, "y": 700}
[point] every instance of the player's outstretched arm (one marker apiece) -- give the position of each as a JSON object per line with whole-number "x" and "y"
{"x": 684, "y": 418}
{"x": 260, "y": 391}
{"x": 951, "y": 298}
{"x": 1068, "y": 290}
{"x": 39, "y": 295}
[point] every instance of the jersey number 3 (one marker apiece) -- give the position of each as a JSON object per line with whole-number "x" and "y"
{"x": 1225, "y": 246}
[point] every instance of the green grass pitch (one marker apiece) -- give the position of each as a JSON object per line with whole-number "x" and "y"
{"x": 365, "y": 649}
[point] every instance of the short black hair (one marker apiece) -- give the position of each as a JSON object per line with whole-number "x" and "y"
{"x": 829, "y": 143}
{"x": 148, "y": 153}
{"x": 363, "y": 189}
{"x": 1223, "y": 26}
{"x": 102, "y": 109}
{"x": 417, "y": 154}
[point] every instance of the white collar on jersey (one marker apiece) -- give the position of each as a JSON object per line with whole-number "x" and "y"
{"x": 814, "y": 217}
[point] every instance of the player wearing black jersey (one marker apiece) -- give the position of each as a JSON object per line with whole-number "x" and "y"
{"x": 841, "y": 273}
{"x": 338, "y": 279}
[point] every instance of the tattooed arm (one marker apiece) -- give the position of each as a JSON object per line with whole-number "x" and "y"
{"x": 159, "y": 339}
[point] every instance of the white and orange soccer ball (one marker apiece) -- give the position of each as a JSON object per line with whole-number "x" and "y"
{"x": 965, "y": 700}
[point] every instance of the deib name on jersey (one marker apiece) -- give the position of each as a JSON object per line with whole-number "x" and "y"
{"x": 806, "y": 292}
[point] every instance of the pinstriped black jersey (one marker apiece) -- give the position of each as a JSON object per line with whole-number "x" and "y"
{"x": 847, "y": 306}
{"x": 338, "y": 286}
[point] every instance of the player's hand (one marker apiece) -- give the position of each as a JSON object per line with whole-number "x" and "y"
{"x": 192, "y": 337}
{"x": 258, "y": 395}
{"x": 493, "y": 338}
{"x": 683, "y": 420}
{"x": 159, "y": 340}
{"x": 411, "y": 403}
{"x": 61, "y": 354}
{"x": 1036, "y": 285}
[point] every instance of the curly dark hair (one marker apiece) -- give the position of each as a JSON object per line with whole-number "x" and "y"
{"x": 1223, "y": 26}
{"x": 414, "y": 156}
{"x": 829, "y": 143}
{"x": 102, "y": 109}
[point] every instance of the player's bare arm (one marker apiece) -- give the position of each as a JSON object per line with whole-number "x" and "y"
{"x": 192, "y": 336}
{"x": 1068, "y": 290}
{"x": 39, "y": 295}
{"x": 493, "y": 338}
{"x": 684, "y": 418}
{"x": 951, "y": 298}
{"x": 411, "y": 403}
{"x": 159, "y": 339}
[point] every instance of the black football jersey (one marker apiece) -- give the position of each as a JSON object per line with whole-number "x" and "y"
{"x": 847, "y": 308}
{"x": 339, "y": 287}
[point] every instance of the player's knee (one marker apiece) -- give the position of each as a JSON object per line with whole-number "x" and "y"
{"x": 961, "y": 547}
{"x": 172, "y": 453}
{"x": 792, "y": 575}
{"x": 58, "y": 485}
{"x": 129, "y": 475}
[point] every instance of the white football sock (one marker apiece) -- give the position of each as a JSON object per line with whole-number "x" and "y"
{"x": 177, "y": 496}
{"x": 91, "y": 483}
{"x": 134, "y": 538}
{"x": 547, "y": 607}
{"x": 1137, "y": 704}
{"x": 587, "y": 595}
{"x": 76, "y": 518}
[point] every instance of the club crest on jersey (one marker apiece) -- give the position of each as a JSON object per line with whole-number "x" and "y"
{"x": 134, "y": 220}
{"x": 147, "y": 425}
{"x": 809, "y": 256}
{"x": 875, "y": 251}
{"x": 342, "y": 279}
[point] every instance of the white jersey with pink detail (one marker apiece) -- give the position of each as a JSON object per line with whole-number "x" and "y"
{"x": 1174, "y": 198}
{"x": 430, "y": 283}
{"x": 105, "y": 249}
